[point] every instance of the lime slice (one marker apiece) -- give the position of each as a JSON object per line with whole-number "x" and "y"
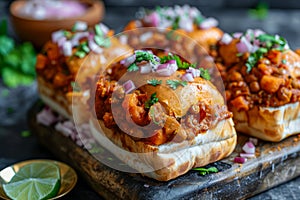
{"x": 34, "y": 181}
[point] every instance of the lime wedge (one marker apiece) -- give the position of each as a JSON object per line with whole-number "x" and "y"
{"x": 34, "y": 181}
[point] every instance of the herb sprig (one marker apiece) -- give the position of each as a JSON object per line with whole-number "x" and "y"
{"x": 153, "y": 99}
{"x": 154, "y": 82}
{"x": 175, "y": 83}
{"x": 141, "y": 56}
{"x": 181, "y": 64}
{"x": 204, "y": 171}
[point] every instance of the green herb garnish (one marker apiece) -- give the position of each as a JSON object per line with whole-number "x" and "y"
{"x": 154, "y": 82}
{"x": 25, "y": 134}
{"x": 271, "y": 42}
{"x": 199, "y": 19}
{"x": 175, "y": 24}
{"x": 175, "y": 83}
{"x": 204, "y": 74}
{"x": 98, "y": 30}
{"x": 133, "y": 67}
{"x": 181, "y": 64}
{"x": 260, "y": 11}
{"x": 101, "y": 41}
{"x": 284, "y": 61}
{"x": 153, "y": 99}
{"x": 204, "y": 171}
{"x": 145, "y": 56}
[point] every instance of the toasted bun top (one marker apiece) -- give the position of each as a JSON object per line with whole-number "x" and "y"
{"x": 177, "y": 101}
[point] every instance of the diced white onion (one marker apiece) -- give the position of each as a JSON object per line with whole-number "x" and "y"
{"x": 104, "y": 28}
{"x": 194, "y": 72}
{"x": 79, "y": 36}
{"x": 145, "y": 69}
{"x": 128, "y": 61}
{"x": 209, "y": 23}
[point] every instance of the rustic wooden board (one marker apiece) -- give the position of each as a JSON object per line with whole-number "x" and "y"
{"x": 275, "y": 163}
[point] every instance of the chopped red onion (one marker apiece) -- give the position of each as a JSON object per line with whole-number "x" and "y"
{"x": 80, "y": 26}
{"x": 240, "y": 160}
{"x": 247, "y": 155}
{"x": 187, "y": 77}
{"x": 237, "y": 34}
{"x": 208, "y": 23}
{"x": 67, "y": 131}
{"x": 171, "y": 62}
{"x": 128, "y": 86}
{"x": 164, "y": 70}
{"x": 152, "y": 19}
{"x": 226, "y": 39}
{"x": 244, "y": 46}
{"x": 258, "y": 32}
{"x": 55, "y": 36}
{"x": 128, "y": 61}
{"x": 172, "y": 65}
{"x": 67, "y": 48}
{"x": 94, "y": 47}
{"x": 46, "y": 117}
{"x": 145, "y": 69}
{"x": 249, "y": 147}
{"x": 253, "y": 140}
{"x": 61, "y": 41}
{"x": 79, "y": 36}
{"x": 194, "y": 72}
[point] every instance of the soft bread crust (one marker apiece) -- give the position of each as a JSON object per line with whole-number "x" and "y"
{"x": 269, "y": 123}
{"x": 57, "y": 100}
{"x": 170, "y": 160}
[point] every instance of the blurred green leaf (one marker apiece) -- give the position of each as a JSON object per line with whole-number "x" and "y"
{"x": 260, "y": 11}
{"x": 3, "y": 27}
{"x": 13, "y": 78}
{"x": 6, "y": 45}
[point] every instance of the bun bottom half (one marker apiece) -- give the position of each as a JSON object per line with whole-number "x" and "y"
{"x": 269, "y": 123}
{"x": 170, "y": 160}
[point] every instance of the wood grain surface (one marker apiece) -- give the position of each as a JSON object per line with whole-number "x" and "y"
{"x": 275, "y": 163}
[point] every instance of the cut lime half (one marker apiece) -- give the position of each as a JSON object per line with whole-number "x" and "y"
{"x": 34, "y": 181}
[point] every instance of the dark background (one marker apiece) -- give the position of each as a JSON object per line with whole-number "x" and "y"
{"x": 283, "y": 18}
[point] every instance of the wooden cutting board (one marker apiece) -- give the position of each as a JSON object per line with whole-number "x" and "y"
{"x": 274, "y": 164}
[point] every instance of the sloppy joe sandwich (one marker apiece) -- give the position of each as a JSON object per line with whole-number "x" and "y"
{"x": 85, "y": 48}
{"x": 184, "y": 19}
{"x": 162, "y": 114}
{"x": 261, "y": 76}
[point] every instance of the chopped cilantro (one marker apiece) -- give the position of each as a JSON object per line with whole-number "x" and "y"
{"x": 154, "y": 82}
{"x": 175, "y": 83}
{"x": 153, "y": 99}
{"x": 204, "y": 74}
{"x": 98, "y": 30}
{"x": 80, "y": 54}
{"x": 284, "y": 61}
{"x": 101, "y": 41}
{"x": 133, "y": 67}
{"x": 203, "y": 171}
{"x": 199, "y": 19}
{"x": 175, "y": 24}
{"x": 145, "y": 56}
